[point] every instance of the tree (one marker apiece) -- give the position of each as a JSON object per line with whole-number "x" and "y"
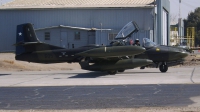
{"x": 193, "y": 20}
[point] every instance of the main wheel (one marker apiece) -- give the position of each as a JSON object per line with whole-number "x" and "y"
{"x": 121, "y": 70}
{"x": 112, "y": 72}
{"x": 143, "y": 67}
{"x": 163, "y": 67}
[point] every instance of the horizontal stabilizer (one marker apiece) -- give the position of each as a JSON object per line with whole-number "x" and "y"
{"x": 26, "y": 43}
{"x": 35, "y": 46}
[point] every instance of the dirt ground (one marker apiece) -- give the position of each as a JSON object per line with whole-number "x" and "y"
{"x": 8, "y": 63}
{"x": 192, "y": 60}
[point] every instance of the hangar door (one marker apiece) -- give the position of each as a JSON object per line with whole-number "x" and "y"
{"x": 165, "y": 27}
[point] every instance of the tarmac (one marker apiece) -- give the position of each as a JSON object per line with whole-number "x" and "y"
{"x": 81, "y": 90}
{"x": 182, "y": 75}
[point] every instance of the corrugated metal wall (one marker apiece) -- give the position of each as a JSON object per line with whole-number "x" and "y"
{"x": 98, "y": 18}
{"x": 102, "y": 37}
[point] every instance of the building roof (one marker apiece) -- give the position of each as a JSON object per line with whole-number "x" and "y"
{"x": 70, "y": 27}
{"x": 26, "y": 4}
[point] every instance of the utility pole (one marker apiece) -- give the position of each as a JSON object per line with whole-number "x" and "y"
{"x": 154, "y": 25}
{"x": 180, "y": 24}
{"x": 179, "y": 8}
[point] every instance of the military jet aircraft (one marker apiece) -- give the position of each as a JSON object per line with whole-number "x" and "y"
{"x": 92, "y": 57}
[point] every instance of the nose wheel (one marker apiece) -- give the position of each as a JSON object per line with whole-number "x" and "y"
{"x": 163, "y": 67}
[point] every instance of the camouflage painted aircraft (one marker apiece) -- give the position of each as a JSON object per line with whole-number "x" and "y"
{"x": 112, "y": 58}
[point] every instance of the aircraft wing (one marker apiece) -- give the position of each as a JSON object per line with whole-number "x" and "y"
{"x": 112, "y": 58}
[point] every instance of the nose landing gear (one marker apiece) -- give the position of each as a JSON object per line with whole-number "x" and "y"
{"x": 163, "y": 67}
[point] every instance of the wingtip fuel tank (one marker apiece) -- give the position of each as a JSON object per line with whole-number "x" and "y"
{"x": 121, "y": 64}
{"x": 113, "y": 51}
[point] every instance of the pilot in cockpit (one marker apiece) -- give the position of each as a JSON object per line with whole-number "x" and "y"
{"x": 137, "y": 42}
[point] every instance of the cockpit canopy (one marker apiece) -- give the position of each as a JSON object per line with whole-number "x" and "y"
{"x": 127, "y": 30}
{"x": 148, "y": 43}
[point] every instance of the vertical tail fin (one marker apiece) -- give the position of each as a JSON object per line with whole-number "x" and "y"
{"x": 25, "y": 34}
{"x": 27, "y": 41}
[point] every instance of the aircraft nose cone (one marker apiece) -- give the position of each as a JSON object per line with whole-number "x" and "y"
{"x": 183, "y": 54}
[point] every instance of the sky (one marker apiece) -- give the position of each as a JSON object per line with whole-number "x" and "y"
{"x": 187, "y": 6}
{"x": 4, "y": 1}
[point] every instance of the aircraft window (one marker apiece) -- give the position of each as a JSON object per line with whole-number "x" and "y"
{"x": 77, "y": 35}
{"x": 148, "y": 43}
{"x": 47, "y": 35}
{"x": 111, "y": 36}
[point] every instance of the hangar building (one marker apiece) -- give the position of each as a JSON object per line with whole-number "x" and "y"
{"x": 75, "y": 23}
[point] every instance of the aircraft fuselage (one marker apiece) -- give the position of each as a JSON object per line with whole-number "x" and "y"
{"x": 163, "y": 54}
{"x": 53, "y": 56}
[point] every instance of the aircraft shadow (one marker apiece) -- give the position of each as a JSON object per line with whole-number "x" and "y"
{"x": 4, "y": 74}
{"x": 99, "y": 74}
{"x": 90, "y": 75}
{"x": 138, "y": 72}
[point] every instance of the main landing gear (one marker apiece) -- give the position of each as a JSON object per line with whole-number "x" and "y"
{"x": 113, "y": 72}
{"x": 121, "y": 70}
